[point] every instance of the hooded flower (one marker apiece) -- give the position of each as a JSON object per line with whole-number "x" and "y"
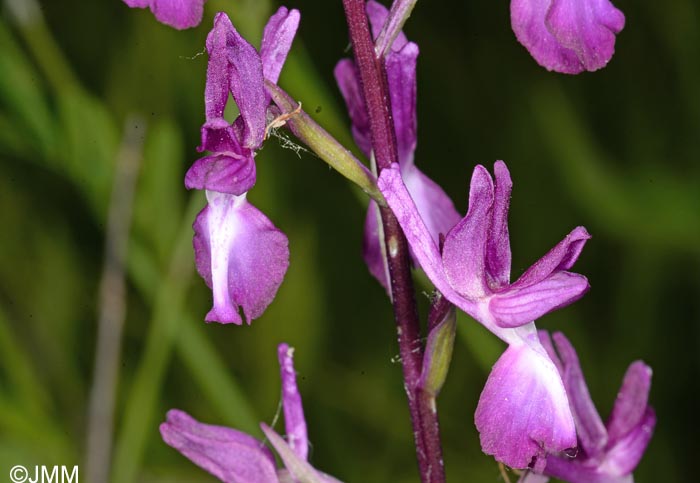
{"x": 240, "y": 254}
{"x": 180, "y": 14}
{"x": 567, "y": 36}
{"x": 236, "y": 457}
{"x": 433, "y": 204}
{"x": 523, "y": 410}
{"x": 608, "y": 453}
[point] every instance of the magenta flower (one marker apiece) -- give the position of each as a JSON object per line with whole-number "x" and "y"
{"x": 567, "y": 36}
{"x": 434, "y": 205}
{"x": 236, "y": 457}
{"x": 239, "y": 253}
{"x": 180, "y": 14}
{"x": 523, "y": 411}
{"x": 608, "y": 453}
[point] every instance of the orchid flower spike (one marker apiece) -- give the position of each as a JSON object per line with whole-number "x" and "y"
{"x": 608, "y": 453}
{"x": 433, "y": 204}
{"x": 567, "y": 36}
{"x": 239, "y": 253}
{"x": 523, "y": 411}
{"x": 236, "y": 457}
{"x": 179, "y": 14}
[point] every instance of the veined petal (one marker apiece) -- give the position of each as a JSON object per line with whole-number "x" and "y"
{"x": 277, "y": 40}
{"x": 464, "y": 253}
{"x": 241, "y": 255}
{"x": 401, "y": 76}
{"x": 561, "y": 257}
{"x": 180, "y": 14}
{"x": 498, "y": 256}
{"x": 224, "y": 173}
{"x": 586, "y": 27}
{"x": 523, "y": 411}
{"x": 624, "y": 456}
{"x": 434, "y": 206}
{"x": 216, "y": 90}
{"x": 230, "y": 455}
{"x": 348, "y": 79}
{"x": 294, "y": 421}
{"x": 591, "y": 432}
{"x": 514, "y": 307}
{"x": 631, "y": 403}
{"x": 425, "y": 250}
{"x": 235, "y": 65}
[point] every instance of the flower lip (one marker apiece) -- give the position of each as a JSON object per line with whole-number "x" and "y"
{"x": 567, "y": 36}
{"x": 523, "y": 411}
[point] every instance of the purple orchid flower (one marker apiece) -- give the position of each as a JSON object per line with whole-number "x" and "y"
{"x": 179, "y": 14}
{"x": 567, "y": 36}
{"x": 236, "y": 457}
{"x": 239, "y": 253}
{"x": 608, "y": 453}
{"x": 434, "y": 205}
{"x": 523, "y": 411}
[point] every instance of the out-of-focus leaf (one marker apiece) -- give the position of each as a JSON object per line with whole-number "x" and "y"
{"x": 89, "y": 143}
{"x": 16, "y": 364}
{"x": 22, "y": 95}
{"x": 158, "y": 203}
{"x": 215, "y": 379}
{"x": 651, "y": 206}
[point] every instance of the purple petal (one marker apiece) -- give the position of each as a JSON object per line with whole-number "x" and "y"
{"x": 465, "y": 245}
{"x": 527, "y": 20}
{"x": 222, "y": 173}
{"x": 401, "y": 75}
{"x": 277, "y": 40}
{"x": 230, "y": 455}
{"x": 523, "y": 411}
{"x": 373, "y": 247}
{"x": 294, "y": 422}
{"x": 231, "y": 169}
{"x": 241, "y": 255}
{"x": 631, "y": 402}
{"x": 235, "y": 66}
{"x": 378, "y": 15}
{"x": 561, "y": 257}
{"x": 567, "y": 36}
{"x": 572, "y": 470}
{"x": 348, "y": 79}
{"x": 586, "y": 27}
{"x": 498, "y": 256}
{"x": 434, "y": 206}
{"x": 625, "y": 455}
{"x": 516, "y": 307}
{"x": 180, "y": 14}
{"x": 424, "y": 248}
{"x": 591, "y": 431}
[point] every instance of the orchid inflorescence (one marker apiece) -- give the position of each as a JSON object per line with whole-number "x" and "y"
{"x": 535, "y": 413}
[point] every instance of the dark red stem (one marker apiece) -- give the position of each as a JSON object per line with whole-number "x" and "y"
{"x": 376, "y": 94}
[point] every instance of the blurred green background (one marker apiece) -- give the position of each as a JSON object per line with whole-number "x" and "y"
{"x": 617, "y": 151}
